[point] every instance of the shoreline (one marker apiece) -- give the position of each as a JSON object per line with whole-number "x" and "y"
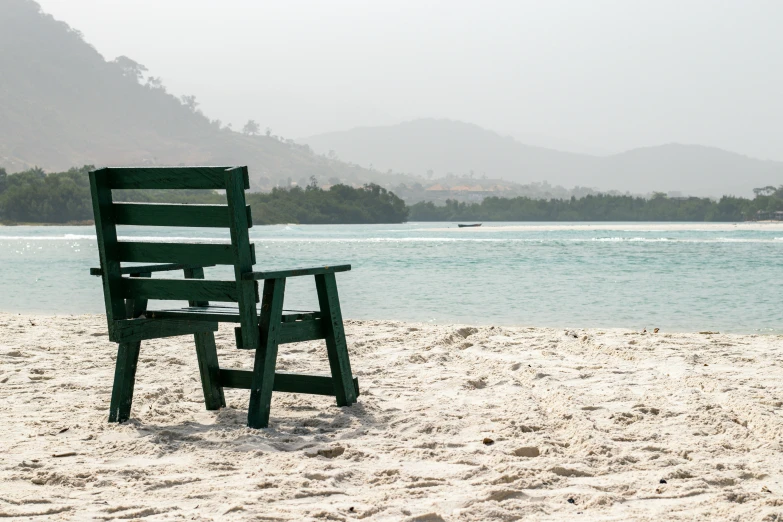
{"x": 629, "y": 226}
{"x": 454, "y": 422}
{"x": 524, "y": 225}
{"x": 476, "y": 324}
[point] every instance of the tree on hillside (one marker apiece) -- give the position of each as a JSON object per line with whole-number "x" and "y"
{"x": 764, "y": 191}
{"x": 189, "y": 102}
{"x": 251, "y": 128}
{"x": 154, "y": 82}
{"x": 130, "y": 68}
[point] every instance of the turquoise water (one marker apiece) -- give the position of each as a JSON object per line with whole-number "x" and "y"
{"x": 676, "y": 277}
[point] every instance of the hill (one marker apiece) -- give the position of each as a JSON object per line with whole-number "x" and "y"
{"x": 443, "y": 147}
{"x": 63, "y": 104}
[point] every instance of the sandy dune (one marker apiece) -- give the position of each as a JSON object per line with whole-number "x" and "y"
{"x": 584, "y": 424}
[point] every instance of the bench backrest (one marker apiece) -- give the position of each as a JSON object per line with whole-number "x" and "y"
{"x": 235, "y": 216}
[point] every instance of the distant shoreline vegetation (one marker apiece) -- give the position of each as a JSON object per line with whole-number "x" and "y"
{"x": 602, "y": 207}
{"x": 34, "y": 196}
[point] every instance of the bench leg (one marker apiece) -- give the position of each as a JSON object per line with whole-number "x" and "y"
{"x": 336, "y": 348}
{"x": 127, "y": 361}
{"x": 266, "y": 355}
{"x": 206, "y": 352}
{"x": 124, "y": 379}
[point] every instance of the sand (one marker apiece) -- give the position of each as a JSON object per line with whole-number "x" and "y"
{"x": 454, "y": 423}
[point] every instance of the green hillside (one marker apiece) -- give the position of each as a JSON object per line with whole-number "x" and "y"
{"x": 63, "y": 104}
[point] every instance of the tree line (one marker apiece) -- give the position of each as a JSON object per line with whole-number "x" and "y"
{"x": 34, "y": 196}
{"x": 603, "y": 207}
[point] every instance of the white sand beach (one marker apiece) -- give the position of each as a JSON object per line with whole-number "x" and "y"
{"x": 454, "y": 423}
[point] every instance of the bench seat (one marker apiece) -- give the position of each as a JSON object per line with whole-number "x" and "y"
{"x": 296, "y": 326}
{"x": 222, "y": 314}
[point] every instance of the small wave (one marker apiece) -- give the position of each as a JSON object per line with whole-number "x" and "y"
{"x": 174, "y": 239}
{"x": 532, "y": 240}
{"x": 406, "y": 240}
{"x": 66, "y": 237}
{"x": 75, "y": 237}
{"x": 629, "y": 239}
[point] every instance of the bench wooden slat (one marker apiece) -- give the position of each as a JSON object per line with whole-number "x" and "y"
{"x": 207, "y": 178}
{"x": 300, "y": 316}
{"x": 185, "y": 253}
{"x": 220, "y": 314}
{"x": 301, "y": 331}
{"x": 133, "y": 330}
{"x": 244, "y": 258}
{"x": 174, "y": 215}
{"x": 284, "y": 382}
{"x": 294, "y": 272}
{"x": 176, "y": 289}
{"x": 149, "y": 268}
{"x": 229, "y": 315}
{"x": 295, "y": 332}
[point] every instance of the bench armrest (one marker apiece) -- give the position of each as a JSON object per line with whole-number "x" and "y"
{"x": 146, "y": 269}
{"x": 280, "y": 274}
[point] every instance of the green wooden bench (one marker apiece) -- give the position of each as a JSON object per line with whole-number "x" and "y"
{"x": 128, "y": 287}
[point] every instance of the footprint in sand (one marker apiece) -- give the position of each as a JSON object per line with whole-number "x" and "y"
{"x": 527, "y": 451}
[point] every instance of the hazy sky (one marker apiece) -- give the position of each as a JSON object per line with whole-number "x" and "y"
{"x": 579, "y": 75}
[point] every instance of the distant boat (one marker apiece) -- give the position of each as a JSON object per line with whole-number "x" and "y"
{"x": 461, "y": 225}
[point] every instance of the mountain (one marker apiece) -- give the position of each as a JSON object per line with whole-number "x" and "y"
{"x": 62, "y": 105}
{"x": 452, "y": 147}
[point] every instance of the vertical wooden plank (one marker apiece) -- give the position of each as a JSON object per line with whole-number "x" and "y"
{"x": 127, "y": 361}
{"x": 209, "y": 369}
{"x": 206, "y": 352}
{"x": 266, "y": 356}
{"x": 106, "y": 233}
{"x": 136, "y": 307}
{"x": 243, "y": 259}
{"x": 195, "y": 273}
{"x": 124, "y": 380}
{"x": 336, "y": 347}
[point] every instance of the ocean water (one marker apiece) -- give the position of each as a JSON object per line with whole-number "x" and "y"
{"x": 676, "y": 277}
